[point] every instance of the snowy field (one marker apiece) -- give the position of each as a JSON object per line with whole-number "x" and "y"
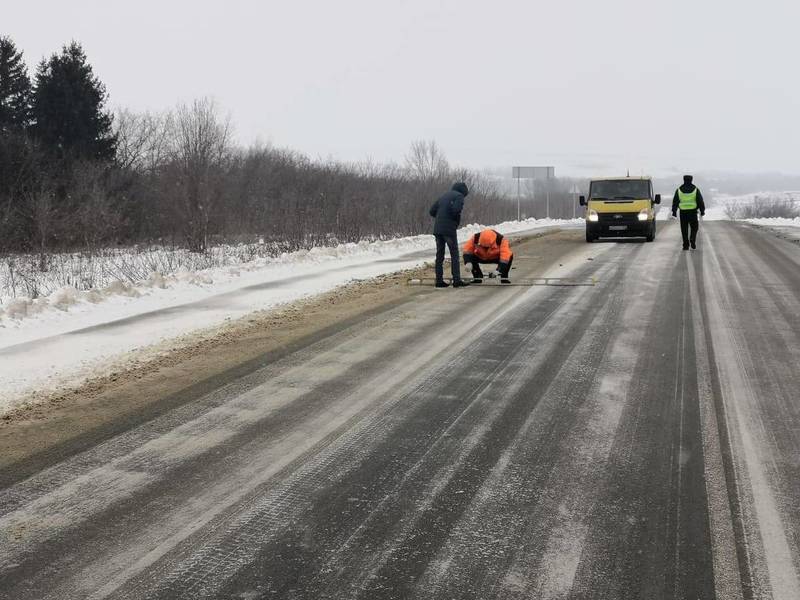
{"x": 41, "y": 351}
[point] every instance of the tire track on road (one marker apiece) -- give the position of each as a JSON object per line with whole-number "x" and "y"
{"x": 429, "y": 417}
{"x": 766, "y": 562}
{"x": 649, "y": 531}
{"x": 146, "y": 455}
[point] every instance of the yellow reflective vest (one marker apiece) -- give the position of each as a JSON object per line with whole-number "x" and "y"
{"x": 687, "y": 201}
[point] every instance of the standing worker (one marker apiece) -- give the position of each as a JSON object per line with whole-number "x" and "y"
{"x": 485, "y": 248}
{"x": 447, "y": 212}
{"x": 689, "y": 199}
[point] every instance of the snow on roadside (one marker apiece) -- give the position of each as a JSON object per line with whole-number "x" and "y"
{"x": 716, "y": 212}
{"x": 788, "y": 229}
{"x": 185, "y": 285}
{"x": 776, "y": 222}
{"x": 37, "y": 355}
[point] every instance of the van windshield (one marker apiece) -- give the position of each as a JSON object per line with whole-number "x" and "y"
{"x": 622, "y": 189}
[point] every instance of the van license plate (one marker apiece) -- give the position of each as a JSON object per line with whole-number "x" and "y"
{"x": 617, "y": 227}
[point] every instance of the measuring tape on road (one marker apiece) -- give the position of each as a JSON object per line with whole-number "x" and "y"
{"x": 551, "y": 281}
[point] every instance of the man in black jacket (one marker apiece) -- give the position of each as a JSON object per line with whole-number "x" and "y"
{"x": 689, "y": 200}
{"x": 447, "y": 212}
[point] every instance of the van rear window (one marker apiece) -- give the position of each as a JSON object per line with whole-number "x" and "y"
{"x": 624, "y": 189}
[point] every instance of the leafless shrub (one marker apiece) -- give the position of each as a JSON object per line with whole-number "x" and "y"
{"x": 43, "y": 213}
{"x": 21, "y": 275}
{"x": 96, "y": 213}
{"x": 763, "y": 207}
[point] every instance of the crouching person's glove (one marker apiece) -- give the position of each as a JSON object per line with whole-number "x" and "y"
{"x": 468, "y": 258}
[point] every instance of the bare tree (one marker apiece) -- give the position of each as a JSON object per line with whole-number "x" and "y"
{"x": 427, "y": 162}
{"x": 200, "y": 145}
{"x": 141, "y": 139}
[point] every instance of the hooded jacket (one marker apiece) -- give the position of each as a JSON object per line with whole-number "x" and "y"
{"x": 488, "y": 246}
{"x": 447, "y": 210}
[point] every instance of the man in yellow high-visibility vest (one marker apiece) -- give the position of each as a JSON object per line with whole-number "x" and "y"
{"x": 689, "y": 200}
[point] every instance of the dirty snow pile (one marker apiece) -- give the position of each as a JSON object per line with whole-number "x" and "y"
{"x": 69, "y": 334}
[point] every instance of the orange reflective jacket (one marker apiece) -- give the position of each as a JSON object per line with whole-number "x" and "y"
{"x": 489, "y": 245}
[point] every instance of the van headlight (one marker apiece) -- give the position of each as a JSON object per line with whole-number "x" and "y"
{"x": 644, "y": 215}
{"x": 593, "y": 216}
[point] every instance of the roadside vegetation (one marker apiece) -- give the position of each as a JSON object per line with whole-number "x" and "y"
{"x": 764, "y": 206}
{"x": 83, "y": 190}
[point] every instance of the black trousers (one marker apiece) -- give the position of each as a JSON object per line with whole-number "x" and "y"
{"x": 689, "y": 221}
{"x": 451, "y": 241}
{"x": 476, "y": 270}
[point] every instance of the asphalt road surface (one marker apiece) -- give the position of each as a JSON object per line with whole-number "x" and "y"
{"x": 635, "y": 439}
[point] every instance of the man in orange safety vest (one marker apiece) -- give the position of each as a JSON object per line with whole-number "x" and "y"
{"x": 488, "y": 247}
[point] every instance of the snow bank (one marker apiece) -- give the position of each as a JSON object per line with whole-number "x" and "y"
{"x": 776, "y": 222}
{"x": 14, "y": 309}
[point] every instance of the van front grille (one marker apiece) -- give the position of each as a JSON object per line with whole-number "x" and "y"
{"x": 618, "y": 218}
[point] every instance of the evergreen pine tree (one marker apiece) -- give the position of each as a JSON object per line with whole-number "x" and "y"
{"x": 15, "y": 88}
{"x": 68, "y": 108}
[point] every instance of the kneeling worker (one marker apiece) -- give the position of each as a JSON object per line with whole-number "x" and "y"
{"x": 488, "y": 247}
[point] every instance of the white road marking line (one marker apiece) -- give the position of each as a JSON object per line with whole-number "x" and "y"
{"x": 727, "y": 580}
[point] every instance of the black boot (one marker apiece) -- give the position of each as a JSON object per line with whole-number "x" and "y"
{"x": 442, "y": 284}
{"x": 460, "y": 283}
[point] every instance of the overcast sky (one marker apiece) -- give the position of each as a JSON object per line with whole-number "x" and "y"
{"x": 586, "y": 85}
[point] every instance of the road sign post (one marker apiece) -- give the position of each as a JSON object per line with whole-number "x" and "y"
{"x": 574, "y": 192}
{"x": 535, "y": 173}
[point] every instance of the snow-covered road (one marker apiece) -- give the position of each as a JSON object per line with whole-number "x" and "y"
{"x": 633, "y": 439}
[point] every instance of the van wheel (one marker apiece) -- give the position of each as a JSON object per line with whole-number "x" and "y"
{"x": 589, "y": 237}
{"x": 652, "y": 235}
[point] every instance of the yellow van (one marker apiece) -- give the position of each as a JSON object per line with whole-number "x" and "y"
{"x": 621, "y": 207}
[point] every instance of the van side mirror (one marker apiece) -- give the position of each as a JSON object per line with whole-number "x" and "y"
{"x": 582, "y": 200}
{"x": 658, "y": 199}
